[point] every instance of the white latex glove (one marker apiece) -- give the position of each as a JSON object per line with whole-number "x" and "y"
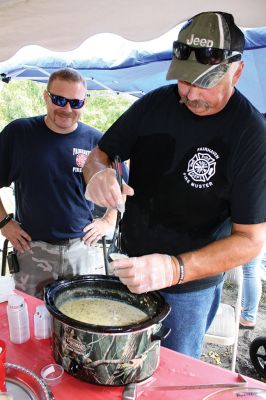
{"x": 103, "y": 189}
{"x": 146, "y": 273}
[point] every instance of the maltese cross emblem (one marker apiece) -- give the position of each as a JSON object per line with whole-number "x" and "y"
{"x": 201, "y": 167}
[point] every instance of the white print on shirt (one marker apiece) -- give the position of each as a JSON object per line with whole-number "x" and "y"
{"x": 81, "y": 157}
{"x": 201, "y": 167}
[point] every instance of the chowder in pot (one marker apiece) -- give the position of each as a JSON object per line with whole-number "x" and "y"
{"x": 101, "y": 353}
{"x": 104, "y": 312}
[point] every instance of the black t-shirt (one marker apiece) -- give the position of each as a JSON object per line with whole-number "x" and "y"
{"x": 192, "y": 175}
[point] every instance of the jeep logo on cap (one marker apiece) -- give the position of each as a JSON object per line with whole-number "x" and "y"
{"x": 203, "y": 42}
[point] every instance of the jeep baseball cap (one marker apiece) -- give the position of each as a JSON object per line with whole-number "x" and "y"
{"x": 206, "y": 46}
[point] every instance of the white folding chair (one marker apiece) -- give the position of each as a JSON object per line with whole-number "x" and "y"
{"x": 225, "y": 326}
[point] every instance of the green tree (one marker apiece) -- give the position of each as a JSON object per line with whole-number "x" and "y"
{"x": 103, "y": 110}
{"x": 24, "y": 98}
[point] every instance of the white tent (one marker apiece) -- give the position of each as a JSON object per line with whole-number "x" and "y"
{"x": 62, "y": 25}
{"x": 124, "y": 45}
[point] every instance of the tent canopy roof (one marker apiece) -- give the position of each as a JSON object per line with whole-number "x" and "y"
{"x": 108, "y": 61}
{"x": 134, "y": 56}
{"x": 62, "y": 25}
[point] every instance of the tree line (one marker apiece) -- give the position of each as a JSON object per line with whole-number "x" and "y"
{"x": 24, "y": 98}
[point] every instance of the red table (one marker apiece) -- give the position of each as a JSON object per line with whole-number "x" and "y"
{"x": 174, "y": 369}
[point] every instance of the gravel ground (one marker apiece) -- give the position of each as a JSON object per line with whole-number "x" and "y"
{"x": 221, "y": 355}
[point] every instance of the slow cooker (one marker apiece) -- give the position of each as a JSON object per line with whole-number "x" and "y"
{"x": 106, "y": 355}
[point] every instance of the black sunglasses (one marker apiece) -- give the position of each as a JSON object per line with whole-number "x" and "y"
{"x": 62, "y": 101}
{"x": 204, "y": 55}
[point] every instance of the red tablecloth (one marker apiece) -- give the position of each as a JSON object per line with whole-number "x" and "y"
{"x": 174, "y": 369}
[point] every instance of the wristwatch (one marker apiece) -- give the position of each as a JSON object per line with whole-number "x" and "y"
{"x": 6, "y": 220}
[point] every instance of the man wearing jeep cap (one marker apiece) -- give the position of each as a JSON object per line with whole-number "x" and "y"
{"x": 196, "y": 202}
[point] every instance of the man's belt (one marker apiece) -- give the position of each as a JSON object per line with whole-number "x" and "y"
{"x": 61, "y": 242}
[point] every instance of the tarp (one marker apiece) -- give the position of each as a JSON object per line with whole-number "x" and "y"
{"x": 135, "y": 53}
{"x": 62, "y": 25}
{"x": 108, "y": 61}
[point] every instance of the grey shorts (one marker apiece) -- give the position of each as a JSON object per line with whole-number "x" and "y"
{"x": 47, "y": 262}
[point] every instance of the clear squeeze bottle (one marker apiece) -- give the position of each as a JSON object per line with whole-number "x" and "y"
{"x": 42, "y": 323}
{"x": 18, "y": 319}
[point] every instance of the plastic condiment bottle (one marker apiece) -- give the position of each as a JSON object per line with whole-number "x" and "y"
{"x": 42, "y": 322}
{"x": 18, "y": 319}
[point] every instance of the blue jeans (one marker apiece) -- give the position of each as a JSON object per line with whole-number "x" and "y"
{"x": 190, "y": 317}
{"x": 252, "y": 288}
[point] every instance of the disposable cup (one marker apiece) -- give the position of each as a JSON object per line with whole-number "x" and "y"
{"x": 7, "y": 285}
{"x": 6, "y": 396}
{"x": 52, "y": 374}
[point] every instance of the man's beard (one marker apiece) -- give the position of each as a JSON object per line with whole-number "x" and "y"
{"x": 194, "y": 103}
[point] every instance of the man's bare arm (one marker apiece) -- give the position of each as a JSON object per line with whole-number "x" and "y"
{"x": 244, "y": 244}
{"x": 96, "y": 161}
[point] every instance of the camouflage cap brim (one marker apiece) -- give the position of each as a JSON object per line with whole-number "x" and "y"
{"x": 205, "y": 76}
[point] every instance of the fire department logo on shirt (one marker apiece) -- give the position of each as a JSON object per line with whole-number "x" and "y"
{"x": 201, "y": 167}
{"x": 80, "y": 158}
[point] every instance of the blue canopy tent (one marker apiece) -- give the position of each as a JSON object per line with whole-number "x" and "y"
{"x": 109, "y": 62}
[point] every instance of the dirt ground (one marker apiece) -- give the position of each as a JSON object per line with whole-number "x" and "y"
{"x": 221, "y": 355}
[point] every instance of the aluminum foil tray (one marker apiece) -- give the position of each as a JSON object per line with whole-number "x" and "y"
{"x": 24, "y": 384}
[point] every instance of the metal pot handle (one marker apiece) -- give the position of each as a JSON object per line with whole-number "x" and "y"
{"x": 74, "y": 368}
{"x": 161, "y": 334}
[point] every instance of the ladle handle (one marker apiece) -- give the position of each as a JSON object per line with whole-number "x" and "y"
{"x": 105, "y": 255}
{"x": 118, "y": 170}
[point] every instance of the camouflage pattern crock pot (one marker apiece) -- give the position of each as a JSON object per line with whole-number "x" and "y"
{"x": 106, "y": 355}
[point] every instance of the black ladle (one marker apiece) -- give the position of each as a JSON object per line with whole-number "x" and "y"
{"x": 115, "y": 246}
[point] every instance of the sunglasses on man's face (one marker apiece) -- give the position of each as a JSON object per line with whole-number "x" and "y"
{"x": 62, "y": 101}
{"x": 204, "y": 55}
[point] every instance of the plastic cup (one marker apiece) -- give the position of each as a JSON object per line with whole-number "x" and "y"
{"x": 52, "y": 374}
{"x": 2, "y": 366}
{"x": 7, "y": 286}
{"x": 6, "y": 396}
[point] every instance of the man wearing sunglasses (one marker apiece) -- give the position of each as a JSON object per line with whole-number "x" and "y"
{"x": 44, "y": 156}
{"x": 196, "y": 194}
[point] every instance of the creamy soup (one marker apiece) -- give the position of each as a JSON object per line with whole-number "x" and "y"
{"x": 103, "y": 312}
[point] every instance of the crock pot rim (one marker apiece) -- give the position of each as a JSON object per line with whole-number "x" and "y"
{"x": 66, "y": 283}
